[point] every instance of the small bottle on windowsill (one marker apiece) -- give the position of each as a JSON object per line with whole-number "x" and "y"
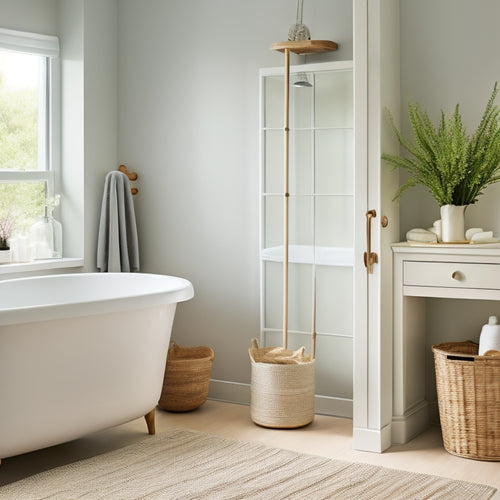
{"x": 46, "y": 236}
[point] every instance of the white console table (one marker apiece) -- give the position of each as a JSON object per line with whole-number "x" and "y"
{"x": 423, "y": 270}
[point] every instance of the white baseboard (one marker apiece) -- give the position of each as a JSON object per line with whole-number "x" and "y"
{"x": 412, "y": 423}
{"x": 338, "y": 407}
{"x": 235, "y": 392}
{"x": 230, "y": 392}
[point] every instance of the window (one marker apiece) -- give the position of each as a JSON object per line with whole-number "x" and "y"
{"x": 27, "y": 99}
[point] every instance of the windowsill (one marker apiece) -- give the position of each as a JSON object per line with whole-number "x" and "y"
{"x": 41, "y": 265}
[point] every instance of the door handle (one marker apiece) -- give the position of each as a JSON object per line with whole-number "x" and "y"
{"x": 370, "y": 257}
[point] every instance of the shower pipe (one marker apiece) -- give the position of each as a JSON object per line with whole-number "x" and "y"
{"x": 302, "y": 47}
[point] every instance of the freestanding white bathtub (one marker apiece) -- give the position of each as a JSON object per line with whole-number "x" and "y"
{"x": 80, "y": 353}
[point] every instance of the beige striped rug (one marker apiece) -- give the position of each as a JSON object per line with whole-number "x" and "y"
{"x": 185, "y": 464}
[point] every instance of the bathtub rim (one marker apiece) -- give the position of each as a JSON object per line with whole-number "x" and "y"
{"x": 182, "y": 291}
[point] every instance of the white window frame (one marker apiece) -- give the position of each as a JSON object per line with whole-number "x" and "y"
{"x": 48, "y": 46}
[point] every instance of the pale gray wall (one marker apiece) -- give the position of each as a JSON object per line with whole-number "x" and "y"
{"x": 449, "y": 55}
{"x": 100, "y": 26}
{"x": 89, "y": 37}
{"x": 38, "y": 16}
{"x": 188, "y": 124}
{"x": 71, "y": 180}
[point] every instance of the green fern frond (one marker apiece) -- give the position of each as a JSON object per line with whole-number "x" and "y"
{"x": 454, "y": 167}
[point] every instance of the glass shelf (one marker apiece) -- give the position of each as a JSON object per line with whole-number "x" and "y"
{"x": 307, "y": 254}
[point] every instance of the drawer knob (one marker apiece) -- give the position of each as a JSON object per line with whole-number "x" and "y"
{"x": 457, "y": 275}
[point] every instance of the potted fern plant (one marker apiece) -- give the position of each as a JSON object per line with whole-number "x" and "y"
{"x": 455, "y": 167}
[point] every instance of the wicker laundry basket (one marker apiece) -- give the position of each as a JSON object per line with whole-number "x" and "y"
{"x": 468, "y": 388}
{"x": 281, "y": 392}
{"x": 187, "y": 378}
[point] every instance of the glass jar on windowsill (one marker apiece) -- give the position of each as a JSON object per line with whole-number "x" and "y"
{"x": 46, "y": 233}
{"x": 46, "y": 238}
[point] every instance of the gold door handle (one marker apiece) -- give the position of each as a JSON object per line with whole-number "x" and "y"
{"x": 370, "y": 257}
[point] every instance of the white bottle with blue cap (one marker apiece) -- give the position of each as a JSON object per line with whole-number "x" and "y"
{"x": 490, "y": 336}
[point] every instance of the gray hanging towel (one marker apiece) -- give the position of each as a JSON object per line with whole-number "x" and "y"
{"x": 117, "y": 243}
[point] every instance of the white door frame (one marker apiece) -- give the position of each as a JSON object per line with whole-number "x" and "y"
{"x": 376, "y": 87}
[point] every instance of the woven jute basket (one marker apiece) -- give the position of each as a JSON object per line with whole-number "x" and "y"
{"x": 281, "y": 395}
{"x": 187, "y": 378}
{"x": 468, "y": 388}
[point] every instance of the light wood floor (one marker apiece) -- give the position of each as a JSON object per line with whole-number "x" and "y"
{"x": 326, "y": 436}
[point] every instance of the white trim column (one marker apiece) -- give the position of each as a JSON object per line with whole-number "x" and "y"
{"x": 376, "y": 70}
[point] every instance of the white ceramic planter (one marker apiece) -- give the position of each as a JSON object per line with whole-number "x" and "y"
{"x": 4, "y": 256}
{"x": 453, "y": 223}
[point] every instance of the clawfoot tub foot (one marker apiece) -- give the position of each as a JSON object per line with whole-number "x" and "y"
{"x": 150, "y": 421}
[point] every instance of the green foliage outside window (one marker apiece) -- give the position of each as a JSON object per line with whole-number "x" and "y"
{"x": 18, "y": 128}
{"x": 21, "y": 203}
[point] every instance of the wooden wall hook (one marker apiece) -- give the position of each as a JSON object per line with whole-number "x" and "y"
{"x": 131, "y": 175}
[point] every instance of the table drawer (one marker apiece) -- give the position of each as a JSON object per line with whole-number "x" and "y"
{"x": 451, "y": 275}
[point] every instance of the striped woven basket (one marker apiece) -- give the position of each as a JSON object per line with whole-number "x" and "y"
{"x": 468, "y": 388}
{"x": 187, "y": 378}
{"x": 281, "y": 394}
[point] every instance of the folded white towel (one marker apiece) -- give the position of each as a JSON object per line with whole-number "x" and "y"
{"x": 471, "y": 232}
{"x": 117, "y": 243}
{"x": 482, "y": 236}
{"x": 421, "y": 235}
